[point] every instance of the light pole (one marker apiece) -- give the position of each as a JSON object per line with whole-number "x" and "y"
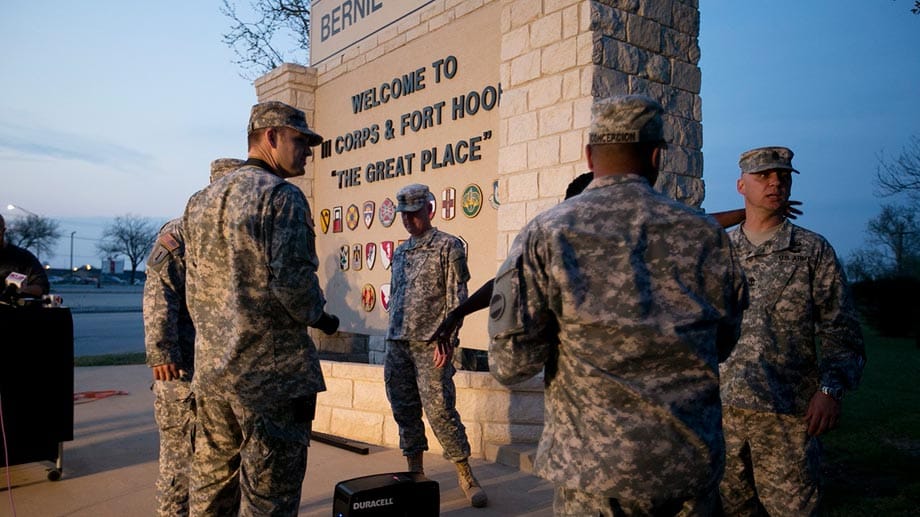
{"x": 71, "y": 252}
{"x": 17, "y": 207}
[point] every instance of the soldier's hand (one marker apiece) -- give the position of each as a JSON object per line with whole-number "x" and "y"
{"x": 443, "y": 353}
{"x": 822, "y": 415}
{"x": 165, "y": 372}
{"x": 447, "y": 328}
{"x": 791, "y": 211}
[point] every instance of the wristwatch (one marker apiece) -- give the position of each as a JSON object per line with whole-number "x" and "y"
{"x": 834, "y": 393}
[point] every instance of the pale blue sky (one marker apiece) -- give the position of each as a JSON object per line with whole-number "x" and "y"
{"x": 107, "y": 109}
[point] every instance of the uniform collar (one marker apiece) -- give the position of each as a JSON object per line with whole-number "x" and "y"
{"x": 424, "y": 238}
{"x": 262, "y": 164}
{"x": 616, "y": 179}
{"x": 781, "y": 240}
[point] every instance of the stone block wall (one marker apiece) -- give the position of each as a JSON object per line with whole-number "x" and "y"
{"x": 355, "y": 406}
{"x": 557, "y": 57}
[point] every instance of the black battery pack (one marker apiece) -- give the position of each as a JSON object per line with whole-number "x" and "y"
{"x": 396, "y": 494}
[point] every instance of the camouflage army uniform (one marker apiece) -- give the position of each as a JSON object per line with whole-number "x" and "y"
{"x": 170, "y": 338}
{"x": 429, "y": 276}
{"x": 799, "y": 296}
{"x": 252, "y": 292}
{"x": 625, "y": 296}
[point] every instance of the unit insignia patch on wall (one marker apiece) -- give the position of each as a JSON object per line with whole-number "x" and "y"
{"x": 472, "y": 200}
{"x": 448, "y": 203}
{"x": 370, "y": 254}
{"x": 352, "y": 217}
{"x": 325, "y": 216}
{"x": 493, "y": 199}
{"x": 344, "y": 253}
{"x": 368, "y": 297}
{"x": 369, "y": 213}
{"x": 386, "y": 247}
{"x": 356, "y": 257}
{"x": 433, "y": 204}
{"x": 337, "y": 219}
{"x": 385, "y": 297}
{"x": 387, "y": 212}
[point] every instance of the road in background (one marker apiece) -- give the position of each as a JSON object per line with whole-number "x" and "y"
{"x": 100, "y": 333}
{"x": 106, "y": 320}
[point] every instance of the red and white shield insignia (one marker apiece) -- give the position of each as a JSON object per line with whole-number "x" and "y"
{"x": 356, "y": 258}
{"x": 448, "y": 203}
{"x": 370, "y": 254}
{"x": 387, "y": 258}
{"x": 369, "y": 213}
{"x": 385, "y": 297}
{"x": 432, "y": 205}
{"x": 337, "y": 219}
{"x": 344, "y": 253}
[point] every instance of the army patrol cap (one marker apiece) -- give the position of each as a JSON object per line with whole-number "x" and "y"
{"x": 626, "y": 119}
{"x": 413, "y": 198}
{"x": 766, "y": 159}
{"x": 223, "y": 166}
{"x": 279, "y": 114}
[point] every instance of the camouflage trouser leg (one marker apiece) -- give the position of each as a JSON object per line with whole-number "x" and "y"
{"x": 771, "y": 464}
{"x": 249, "y": 462}
{"x": 571, "y": 502}
{"x": 173, "y": 410}
{"x": 412, "y": 383}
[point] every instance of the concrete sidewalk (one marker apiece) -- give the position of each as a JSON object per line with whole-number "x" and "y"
{"x": 111, "y": 465}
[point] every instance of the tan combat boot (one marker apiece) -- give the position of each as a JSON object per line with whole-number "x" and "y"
{"x": 415, "y": 463}
{"x": 474, "y": 493}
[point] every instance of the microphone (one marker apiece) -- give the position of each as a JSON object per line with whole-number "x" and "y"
{"x": 11, "y": 290}
{"x": 15, "y": 279}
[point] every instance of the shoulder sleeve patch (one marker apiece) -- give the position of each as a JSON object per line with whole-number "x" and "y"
{"x": 168, "y": 241}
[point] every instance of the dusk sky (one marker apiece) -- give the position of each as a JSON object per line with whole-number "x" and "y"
{"x": 107, "y": 110}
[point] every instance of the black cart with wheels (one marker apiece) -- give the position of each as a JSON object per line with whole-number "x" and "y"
{"x": 36, "y": 384}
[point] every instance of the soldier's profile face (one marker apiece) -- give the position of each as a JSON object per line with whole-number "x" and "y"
{"x": 292, "y": 151}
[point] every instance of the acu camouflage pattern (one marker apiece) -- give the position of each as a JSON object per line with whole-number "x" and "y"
{"x": 429, "y": 277}
{"x": 169, "y": 337}
{"x": 252, "y": 289}
{"x": 776, "y": 451}
{"x": 799, "y": 297}
{"x": 624, "y": 295}
{"x": 174, "y": 411}
{"x": 413, "y": 383}
{"x": 569, "y": 502}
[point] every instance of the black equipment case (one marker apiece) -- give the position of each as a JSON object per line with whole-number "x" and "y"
{"x": 396, "y": 494}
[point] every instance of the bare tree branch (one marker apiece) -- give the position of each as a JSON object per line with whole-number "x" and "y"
{"x": 34, "y": 232}
{"x": 901, "y": 175}
{"x": 131, "y": 236}
{"x": 280, "y": 34}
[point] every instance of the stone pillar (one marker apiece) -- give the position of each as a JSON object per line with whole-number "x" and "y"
{"x": 556, "y": 58}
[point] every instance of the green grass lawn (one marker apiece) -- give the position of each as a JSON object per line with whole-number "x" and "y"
{"x": 872, "y": 460}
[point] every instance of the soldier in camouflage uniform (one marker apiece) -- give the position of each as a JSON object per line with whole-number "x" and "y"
{"x": 169, "y": 337}
{"x": 779, "y": 393}
{"x": 428, "y": 278}
{"x": 252, "y": 291}
{"x": 627, "y": 300}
